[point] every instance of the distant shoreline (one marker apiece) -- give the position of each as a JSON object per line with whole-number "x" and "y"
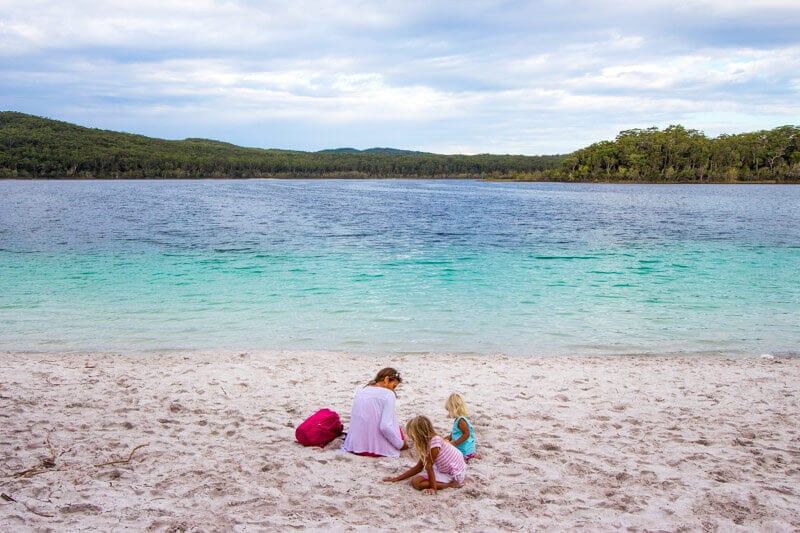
{"x": 38, "y": 147}
{"x": 383, "y": 178}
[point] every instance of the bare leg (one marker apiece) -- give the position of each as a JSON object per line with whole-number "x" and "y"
{"x": 421, "y": 483}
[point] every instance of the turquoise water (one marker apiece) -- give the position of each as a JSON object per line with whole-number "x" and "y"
{"x": 399, "y": 266}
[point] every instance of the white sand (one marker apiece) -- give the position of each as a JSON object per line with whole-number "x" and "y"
{"x": 616, "y": 443}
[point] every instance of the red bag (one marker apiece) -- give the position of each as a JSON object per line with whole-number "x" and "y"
{"x": 319, "y": 429}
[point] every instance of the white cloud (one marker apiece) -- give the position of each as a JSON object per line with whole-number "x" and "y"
{"x": 734, "y": 7}
{"x": 31, "y": 25}
{"x": 458, "y": 75}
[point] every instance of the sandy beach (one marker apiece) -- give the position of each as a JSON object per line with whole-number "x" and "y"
{"x": 205, "y": 442}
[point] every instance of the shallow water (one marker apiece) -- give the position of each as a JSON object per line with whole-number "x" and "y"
{"x": 398, "y": 266}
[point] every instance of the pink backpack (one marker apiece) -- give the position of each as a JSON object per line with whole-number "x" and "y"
{"x": 319, "y": 429}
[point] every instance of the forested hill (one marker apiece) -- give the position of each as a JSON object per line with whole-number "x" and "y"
{"x": 37, "y": 147}
{"x": 677, "y": 154}
{"x": 389, "y": 151}
{"x": 33, "y": 147}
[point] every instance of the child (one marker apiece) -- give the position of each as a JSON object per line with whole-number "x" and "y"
{"x": 463, "y": 436}
{"x": 443, "y": 464}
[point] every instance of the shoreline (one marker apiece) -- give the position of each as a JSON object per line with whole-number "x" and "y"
{"x": 380, "y": 354}
{"x": 566, "y": 442}
{"x": 386, "y": 178}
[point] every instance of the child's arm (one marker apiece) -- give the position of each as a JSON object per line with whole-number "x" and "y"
{"x": 434, "y": 453}
{"x": 462, "y": 425}
{"x": 414, "y": 470}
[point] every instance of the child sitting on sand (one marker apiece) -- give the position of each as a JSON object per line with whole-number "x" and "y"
{"x": 462, "y": 436}
{"x": 443, "y": 464}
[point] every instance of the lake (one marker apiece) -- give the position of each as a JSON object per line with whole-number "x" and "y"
{"x": 379, "y": 266}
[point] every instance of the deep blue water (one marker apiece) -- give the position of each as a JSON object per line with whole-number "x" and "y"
{"x": 399, "y": 265}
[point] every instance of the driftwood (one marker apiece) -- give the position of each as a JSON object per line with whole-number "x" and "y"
{"x": 123, "y": 461}
{"x": 9, "y": 498}
{"x": 43, "y": 465}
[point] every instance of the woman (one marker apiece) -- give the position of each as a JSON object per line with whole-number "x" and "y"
{"x": 374, "y": 430}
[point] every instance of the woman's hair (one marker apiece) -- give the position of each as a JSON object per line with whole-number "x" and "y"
{"x": 391, "y": 373}
{"x": 455, "y": 406}
{"x": 420, "y": 430}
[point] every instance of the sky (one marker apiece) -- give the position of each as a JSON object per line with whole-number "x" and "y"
{"x": 536, "y": 77}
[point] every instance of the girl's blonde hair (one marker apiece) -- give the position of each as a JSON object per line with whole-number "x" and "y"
{"x": 420, "y": 430}
{"x": 456, "y": 406}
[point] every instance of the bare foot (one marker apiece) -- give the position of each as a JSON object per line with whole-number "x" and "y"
{"x": 456, "y": 485}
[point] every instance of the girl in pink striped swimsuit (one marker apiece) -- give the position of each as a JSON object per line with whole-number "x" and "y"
{"x": 443, "y": 463}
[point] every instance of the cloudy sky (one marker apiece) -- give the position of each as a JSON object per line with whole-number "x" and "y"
{"x": 468, "y": 76}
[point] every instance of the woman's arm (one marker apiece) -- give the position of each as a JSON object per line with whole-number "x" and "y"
{"x": 413, "y": 471}
{"x": 389, "y": 427}
{"x": 462, "y": 425}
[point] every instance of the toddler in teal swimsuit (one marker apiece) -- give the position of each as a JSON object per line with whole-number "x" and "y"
{"x": 462, "y": 436}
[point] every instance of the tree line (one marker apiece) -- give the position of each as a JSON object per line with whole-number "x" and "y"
{"x": 677, "y": 154}
{"x": 35, "y": 147}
